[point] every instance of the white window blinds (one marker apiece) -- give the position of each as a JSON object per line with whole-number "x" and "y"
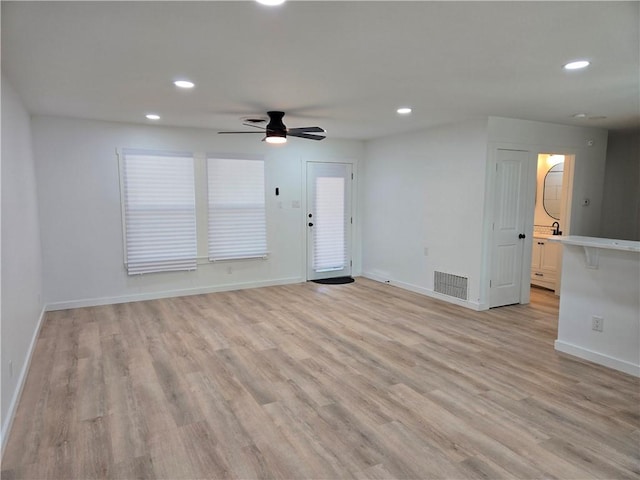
{"x": 237, "y": 224}
{"x": 159, "y": 211}
{"x": 329, "y": 225}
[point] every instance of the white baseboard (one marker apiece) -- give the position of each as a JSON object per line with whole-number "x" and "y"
{"x": 137, "y": 297}
{"x": 15, "y": 399}
{"x": 424, "y": 291}
{"x": 599, "y": 358}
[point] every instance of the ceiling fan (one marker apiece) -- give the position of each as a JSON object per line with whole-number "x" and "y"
{"x": 277, "y": 132}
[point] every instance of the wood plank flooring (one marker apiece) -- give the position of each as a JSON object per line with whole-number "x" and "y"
{"x": 318, "y": 381}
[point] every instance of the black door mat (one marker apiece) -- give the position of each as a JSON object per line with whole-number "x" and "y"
{"x": 335, "y": 280}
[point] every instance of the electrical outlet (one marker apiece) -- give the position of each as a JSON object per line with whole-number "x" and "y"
{"x": 597, "y": 323}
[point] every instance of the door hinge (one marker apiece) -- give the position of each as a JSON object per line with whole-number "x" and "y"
{"x": 351, "y": 263}
{"x": 489, "y": 283}
{"x": 351, "y": 220}
{"x": 352, "y": 176}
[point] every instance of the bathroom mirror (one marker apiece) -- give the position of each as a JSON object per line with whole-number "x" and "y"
{"x": 553, "y": 191}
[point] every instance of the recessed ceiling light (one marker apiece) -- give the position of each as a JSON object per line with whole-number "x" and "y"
{"x": 271, "y": 3}
{"x": 579, "y": 115}
{"x": 152, "y": 116}
{"x": 184, "y": 84}
{"x": 577, "y": 65}
{"x": 404, "y": 110}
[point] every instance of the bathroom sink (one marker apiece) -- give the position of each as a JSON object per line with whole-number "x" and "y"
{"x": 544, "y": 236}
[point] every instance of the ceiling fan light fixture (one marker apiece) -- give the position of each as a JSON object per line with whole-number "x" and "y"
{"x": 404, "y": 110}
{"x": 152, "y": 116}
{"x": 276, "y": 138}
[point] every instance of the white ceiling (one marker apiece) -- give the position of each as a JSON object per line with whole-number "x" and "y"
{"x": 345, "y": 66}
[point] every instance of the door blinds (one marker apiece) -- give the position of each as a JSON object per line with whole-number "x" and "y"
{"x": 329, "y": 230}
{"x": 159, "y": 211}
{"x": 237, "y": 224}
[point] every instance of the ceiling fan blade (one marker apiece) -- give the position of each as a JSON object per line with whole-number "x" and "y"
{"x": 306, "y": 130}
{"x": 306, "y": 135}
{"x": 261, "y": 127}
{"x": 243, "y": 132}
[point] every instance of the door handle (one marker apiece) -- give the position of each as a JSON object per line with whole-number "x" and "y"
{"x": 521, "y": 236}
{"x": 310, "y": 224}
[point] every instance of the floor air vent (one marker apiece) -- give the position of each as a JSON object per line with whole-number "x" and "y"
{"x": 451, "y": 285}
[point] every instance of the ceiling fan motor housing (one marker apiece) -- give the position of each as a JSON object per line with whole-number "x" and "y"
{"x": 275, "y": 127}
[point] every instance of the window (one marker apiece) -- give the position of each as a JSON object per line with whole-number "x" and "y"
{"x": 159, "y": 211}
{"x": 237, "y": 224}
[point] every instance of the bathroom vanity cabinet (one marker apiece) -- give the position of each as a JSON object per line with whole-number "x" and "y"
{"x": 544, "y": 262}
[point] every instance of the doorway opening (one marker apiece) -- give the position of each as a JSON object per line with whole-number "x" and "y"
{"x": 552, "y": 215}
{"x": 516, "y": 233}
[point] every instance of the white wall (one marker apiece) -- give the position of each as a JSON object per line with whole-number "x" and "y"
{"x": 587, "y": 146}
{"x": 425, "y": 190}
{"x": 588, "y": 176}
{"x": 81, "y": 225}
{"x": 429, "y": 190}
{"x": 609, "y": 291}
{"x": 621, "y": 208}
{"x": 21, "y": 308}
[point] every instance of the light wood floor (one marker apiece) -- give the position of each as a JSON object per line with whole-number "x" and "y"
{"x": 318, "y": 381}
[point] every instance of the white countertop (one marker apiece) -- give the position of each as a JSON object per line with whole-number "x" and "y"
{"x": 595, "y": 242}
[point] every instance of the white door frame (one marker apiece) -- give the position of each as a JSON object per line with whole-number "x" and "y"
{"x": 487, "y": 257}
{"x": 566, "y": 205}
{"x": 356, "y": 253}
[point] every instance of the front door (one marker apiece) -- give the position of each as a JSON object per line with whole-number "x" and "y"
{"x": 328, "y": 220}
{"x": 511, "y": 177}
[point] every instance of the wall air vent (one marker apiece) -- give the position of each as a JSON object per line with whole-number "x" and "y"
{"x": 451, "y": 285}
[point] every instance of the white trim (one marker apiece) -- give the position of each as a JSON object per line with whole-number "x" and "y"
{"x": 119, "y": 159}
{"x": 94, "y": 302}
{"x": 534, "y": 147}
{"x": 425, "y": 291}
{"x": 599, "y": 358}
{"x": 13, "y": 406}
{"x": 356, "y": 250}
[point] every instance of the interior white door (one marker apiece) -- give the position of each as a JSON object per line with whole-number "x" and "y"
{"x": 328, "y": 220}
{"x": 507, "y": 263}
